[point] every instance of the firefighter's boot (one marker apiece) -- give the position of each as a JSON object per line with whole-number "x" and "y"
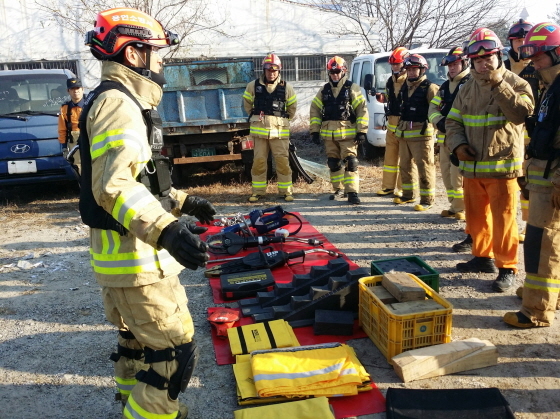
{"x": 518, "y": 319}
{"x": 464, "y": 247}
{"x": 478, "y": 264}
{"x": 504, "y": 281}
{"x": 183, "y": 411}
{"x": 339, "y": 193}
{"x": 353, "y": 198}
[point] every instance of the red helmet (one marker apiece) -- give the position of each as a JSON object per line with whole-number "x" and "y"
{"x": 519, "y": 30}
{"x": 272, "y": 61}
{"x": 398, "y": 55}
{"x": 415, "y": 60}
{"x": 543, "y": 37}
{"x": 336, "y": 63}
{"x": 454, "y": 54}
{"x": 116, "y": 28}
{"x": 482, "y": 42}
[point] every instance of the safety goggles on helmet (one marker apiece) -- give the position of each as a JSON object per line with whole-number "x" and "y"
{"x": 335, "y": 71}
{"x": 270, "y": 66}
{"x": 484, "y": 47}
{"x": 415, "y": 60}
{"x": 530, "y": 50}
{"x": 519, "y": 30}
{"x": 455, "y": 54}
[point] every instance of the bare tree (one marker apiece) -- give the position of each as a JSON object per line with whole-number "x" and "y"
{"x": 184, "y": 17}
{"x": 431, "y": 23}
{"x": 555, "y": 17}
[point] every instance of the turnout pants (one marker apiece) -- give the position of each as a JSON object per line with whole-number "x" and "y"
{"x": 542, "y": 260}
{"x": 279, "y": 148}
{"x": 343, "y": 178}
{"x": 391, "y": 174}
{"x": 421, "y": 153}
{"x": 452, "y": 180}
{"x": 491, "y": 212}
{"x": 158, "y": 316}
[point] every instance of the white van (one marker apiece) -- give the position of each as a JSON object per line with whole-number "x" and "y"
{"x": 372, "y": 71}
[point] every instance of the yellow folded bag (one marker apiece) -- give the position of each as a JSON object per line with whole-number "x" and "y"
{"x": 265, "y": 335}
{"x": 303, "y": 409}
{"x": 328, "y": 369}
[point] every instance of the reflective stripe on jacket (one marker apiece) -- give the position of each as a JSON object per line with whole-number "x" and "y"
{"x": 120, "y": 150}
{"x": 491, "y": 121}
{"x": 534, "y": 168}
{"x": 270, "y": 126}
{"x": 339, "y": 130}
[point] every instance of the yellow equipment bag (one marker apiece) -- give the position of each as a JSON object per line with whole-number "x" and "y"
{"x": 303, "y": 409}
{"x": 266, "y": 335}
{"x": 317, "y": 370}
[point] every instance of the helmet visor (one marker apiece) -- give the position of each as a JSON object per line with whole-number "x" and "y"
{"x": 448, "y": 59}
{"x": 484, "y": 47}
{"x": 270, "y": 66}
{"x": 519, "y": 31}
{"x": 530, "y": 50}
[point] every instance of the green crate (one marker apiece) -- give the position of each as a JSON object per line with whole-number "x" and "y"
{"x": 409, "y": 264}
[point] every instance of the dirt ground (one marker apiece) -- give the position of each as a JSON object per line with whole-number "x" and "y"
{"x": 55, "y": 342}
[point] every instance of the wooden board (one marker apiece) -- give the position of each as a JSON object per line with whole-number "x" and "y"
{"x": 385, "y": 296}
{"x": 409, "y": 307}
{"x": 403, "y": 287}
{"x": 447, "y": 358}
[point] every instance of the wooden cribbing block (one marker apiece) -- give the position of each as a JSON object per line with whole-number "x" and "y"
{"x": 409, "y": 307}
{"x": 385, "y": 296}
{"x": 447, "y": 358}
{"x": 403, "y": 287}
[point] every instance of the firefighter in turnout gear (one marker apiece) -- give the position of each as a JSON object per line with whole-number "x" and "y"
{"x": 68, "y": 131}
{"x": 542, "y": 169}
{"x": 415, "y": 134}
{"x": 484, "y": 129}
{"x": 271, "y": 104}
{"x": 523, "y": 68}
{"x": 391, "y": 182}
{"x": 458, "y": 74}
{"x": 338, "y": 115}
{"x": 137, "y": 246}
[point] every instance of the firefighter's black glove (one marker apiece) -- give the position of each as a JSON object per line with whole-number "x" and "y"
{"x": 316, "y": 138}
{"x": 200, "y": 208}
{"x": 181, "y": 240}
{"x": 441, "y": 125}
{"x": 360, "y": 138}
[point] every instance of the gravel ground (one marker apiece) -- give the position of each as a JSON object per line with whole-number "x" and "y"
{"x": 55, "y": 342}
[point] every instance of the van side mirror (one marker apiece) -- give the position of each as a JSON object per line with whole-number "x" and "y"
{"x": 369, "y": 83}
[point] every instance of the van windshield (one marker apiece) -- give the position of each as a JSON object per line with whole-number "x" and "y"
{"x": 436, "y": 74}
{"x": 32, "y": 92}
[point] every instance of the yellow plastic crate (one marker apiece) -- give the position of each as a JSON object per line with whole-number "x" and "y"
{"x": 394, "y": 334}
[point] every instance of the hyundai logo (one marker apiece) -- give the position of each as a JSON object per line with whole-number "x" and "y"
{"x": 20, "y": 148}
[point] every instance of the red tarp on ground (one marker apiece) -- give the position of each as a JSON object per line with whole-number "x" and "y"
{"x": 364, "y": 403}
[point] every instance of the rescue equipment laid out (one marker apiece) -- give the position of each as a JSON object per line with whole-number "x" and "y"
{"x": 246, "y": 284}
{"x": 258, "y": 336}
{"x": 262, "y": 260}
{"x": 222, "y": 320}
{"x": 232, "y": 243}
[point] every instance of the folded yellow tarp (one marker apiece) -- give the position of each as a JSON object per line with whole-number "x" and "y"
{"x": 303, "y": 409}
{"x": 317, "y": 370}
{"x": 265, "y": 335}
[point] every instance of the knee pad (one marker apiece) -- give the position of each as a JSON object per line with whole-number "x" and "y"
{"x": 351, "y": 163}
{"x": 123, "y": 351}
{"x": 334, "y": 164}
{"x": 187, "y": 357}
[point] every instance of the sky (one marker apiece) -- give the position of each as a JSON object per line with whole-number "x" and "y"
{"x": 539, "y": 9}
